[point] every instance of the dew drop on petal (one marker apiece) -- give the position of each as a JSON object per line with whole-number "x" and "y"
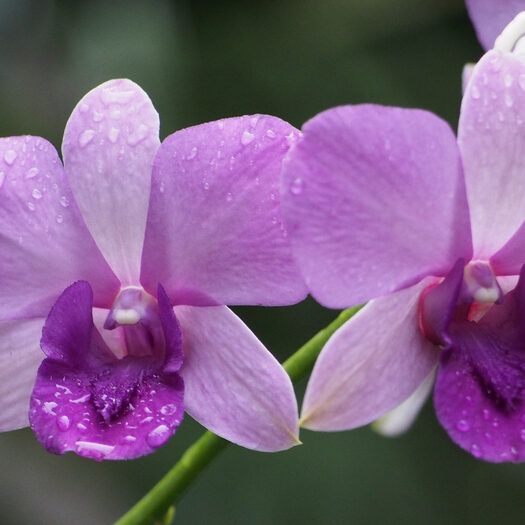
{"x": 229, "y": 197}
{"x": 297, "y": 186}
{"x": 158, "y": 436}
{"x": 63, "y": 423}
{"x": 10, "y": 156}
{"x": 60, "y": 218}
{"x": 247, "y": 137}
{"x": 31, "y": 206}
{"x": 192, "y": 154}
{"x": 168, "y": 410}
{"x": 64, "y": 201}
{"x": 475, "y": 450}
{"x": 474, "y": 92}
{"x": 509, "y": 102}
{"x": 86, "y": 137}
{"x": 127, "y": 440}
{"x": 83, "y": 107}
{"x": 270, "y": 133}
{"x": 36, "y": 194}
{"x": 463, "y": 425}
{"x": 113, "y": 134}
{"x": 507, "y": 80}
{"x": 30, "y": 173}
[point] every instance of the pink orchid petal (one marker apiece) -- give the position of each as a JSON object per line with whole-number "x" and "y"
{"x": 234, "y": 386}
{"x": 109, "y": 144}
{"x": 214, "y": 233}
{"x": 373, "y": 199}
{"x": 492, "y": 144}
{"x": 400, "y": 419}
{"x": 44, "y": 243}
{"x": 370, "y": 365}
{"x": 20, "y": 357}
{"x": 491, "y": 16}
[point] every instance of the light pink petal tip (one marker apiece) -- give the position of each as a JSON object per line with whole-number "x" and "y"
{"x": 44, "y": 243}
{"x": 371, "y": 364}
{"x": 214, "y": 233}
{"x": 20, "y": 357}
{"x": 491, "y": 16}
{"x": 492, "y": 142}
{"x": 233, "y": 385}
{"x": 109, "y": 144}
{"x": 374, "y": 200}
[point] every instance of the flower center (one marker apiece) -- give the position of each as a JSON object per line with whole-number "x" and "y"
{"x": 134, "y": 325}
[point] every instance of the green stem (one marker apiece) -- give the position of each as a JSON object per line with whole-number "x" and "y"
{"x": 154, "y": 505}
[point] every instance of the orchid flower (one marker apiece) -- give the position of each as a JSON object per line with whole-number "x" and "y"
{"x": 490, "y": 17}
{"x": 123, "y": 259}
{"x": 383, "y": 204}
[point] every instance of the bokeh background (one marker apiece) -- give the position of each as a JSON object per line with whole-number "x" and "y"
{"x": 199, "y": 61}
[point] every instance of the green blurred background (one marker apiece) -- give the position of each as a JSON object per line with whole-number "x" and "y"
{"x": 203, "y": 60}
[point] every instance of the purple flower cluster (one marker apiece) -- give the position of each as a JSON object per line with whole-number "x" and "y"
{"x": 118, "y": 264}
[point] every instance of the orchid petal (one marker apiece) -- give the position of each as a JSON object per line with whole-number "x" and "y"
{"x": 44, "y": 243}
{"x": 370, "y": 365}
{"x": 492, "y": 144}
{"x": 109, "y": 144}
{"x": 214, "y": 232}
{"x": 234, "y": 386}
{"x": 400, "y": 419}
{"x": 20, "y": 356}
{"x": 491, "y": 16}
{"x": 374, "y": 201}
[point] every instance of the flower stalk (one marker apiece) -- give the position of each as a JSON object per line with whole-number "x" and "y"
{"x": 154, "y": 505}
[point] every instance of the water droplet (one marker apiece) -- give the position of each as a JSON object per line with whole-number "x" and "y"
{"x": 10, "y": 156}
{"x": 253, "y": 121}
{"x": 474, "y": 92}
{"x": 31, "y": 206}
{"x": 272, "y": 196}
{"x": 509, "y": 102}
{"x": 297, "y": 186}
{"x": 475, "y": 450}
{"x": 513, "y": 451}
{"x": 148, "y": 419}
{"x": 220, "y": 124}
{"x": 81, "y": 427}
{"x": 158, "y": 436}
{"x": 112, "y": 96}
{"x": 205, "y": 184}
{"x": 97, "y": 115}
{"x": 507, "y": 80}
{"x": 229, "y": 197}
{"x": 93, "y": 450}
{"x": 48, "y": 408}
{"x": 113, "y": 134}
{"x": 63, "y": 423}
{"x": 36, "y": 193}
{"x": 270, "y": 133}
{"x": 275, "y": 220}
{"x": 168, "y": 410}
{"x": 60, "y": 218}
{"x": 489, "y": 438}
{"x": 140, "y": 134}
{"x": 30, "y": 173}
{"x": 127, "y": 440}
{"x": 463, "y": 425}
{"x": 247, "y": 137}
{"x": 64, "y": 201}
{"x": 83, "y": 107}
{"x": 193, "y": 153}
{"x": 86, "y": 137}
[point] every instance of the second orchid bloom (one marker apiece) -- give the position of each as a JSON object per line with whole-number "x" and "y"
{"x": 384, "y": 205}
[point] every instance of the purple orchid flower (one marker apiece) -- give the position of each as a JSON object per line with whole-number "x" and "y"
{"x": 491, "y": 16}
{"x": 383, "y": 204}
{"x": 109, "y": 242}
